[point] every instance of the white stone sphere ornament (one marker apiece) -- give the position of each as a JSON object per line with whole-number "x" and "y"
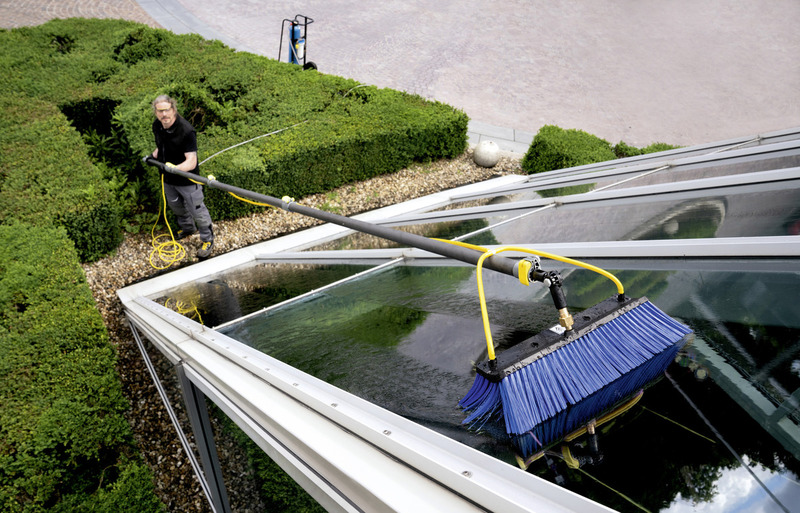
{"x": 486, "y": 154}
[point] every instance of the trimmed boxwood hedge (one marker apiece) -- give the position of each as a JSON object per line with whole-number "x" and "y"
{"x": 557, "y": 148}
{"x": 64, "y": 441}
{"x": 88, "y": 85}
{"x": 623, "y": 150}
{"x": 48, "y": 180}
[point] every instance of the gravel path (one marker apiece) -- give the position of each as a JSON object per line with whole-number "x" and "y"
{"x": 175, "y": 482}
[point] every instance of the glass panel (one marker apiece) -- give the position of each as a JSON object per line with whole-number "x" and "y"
{"x": 238, "y": 292}
{"x": 709, "y": 169}
{"x": 585, "y": 182}
{"x": 747, "y": 211}
{"x": 406, "y": 338}
{"x": 733, "y": 165}
{"x": 521, "y": 194}
{"x": 403, "y": 338}
{"x": 743, "y": 214}
{"x": 254, "y": 481}
{"x": 440, "y": 230}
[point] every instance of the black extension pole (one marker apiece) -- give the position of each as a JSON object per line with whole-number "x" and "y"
{"x": 463, "y": 254}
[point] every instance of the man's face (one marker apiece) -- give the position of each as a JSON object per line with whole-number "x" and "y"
{"x": 165, "y": 113}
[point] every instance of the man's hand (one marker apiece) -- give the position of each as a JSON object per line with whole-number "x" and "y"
{"x": 170, "y": 165}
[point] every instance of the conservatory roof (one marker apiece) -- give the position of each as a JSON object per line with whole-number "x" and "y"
{"x": 731, "y": 206}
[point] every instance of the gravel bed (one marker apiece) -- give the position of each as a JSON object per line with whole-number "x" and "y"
{"x": 175, "y": 482}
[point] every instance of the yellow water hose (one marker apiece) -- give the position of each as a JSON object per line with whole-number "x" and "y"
{"x": 569, "y": 459}
{"x": 616, "y": 412}
{"x": 183, "y": 309}
{"x": 170, "y": 251}
{"x": 607, "y": 417}
{"x": 524, "y": 268}
{"x": 287, "y": 199}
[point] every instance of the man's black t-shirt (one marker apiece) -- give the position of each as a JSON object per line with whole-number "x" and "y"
{"x": 172, "y": 144}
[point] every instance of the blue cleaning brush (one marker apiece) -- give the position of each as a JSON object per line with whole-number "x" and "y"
{"x": 567, "y": 377}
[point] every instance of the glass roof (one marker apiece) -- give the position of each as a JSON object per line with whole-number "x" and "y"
{"x": 406, "y": 335}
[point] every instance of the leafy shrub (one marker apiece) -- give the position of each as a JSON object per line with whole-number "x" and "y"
{"x": 131, "y": 492}
{"x": 557, "y": 148}
{"x": 199, "y": 107}
{"x": 143, "y": 43}
{"x": 48, "y": 180}
{"x": 659, "y": 146}
{"x": 63, "y": 435}
{"x": 95, "y": 231}
{"x": 90, "y": 114}
{"x": 623, "y": 150}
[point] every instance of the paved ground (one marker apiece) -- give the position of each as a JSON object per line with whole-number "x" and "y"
{"x": 682, "y": 71}
{"x": 21, "y": 13}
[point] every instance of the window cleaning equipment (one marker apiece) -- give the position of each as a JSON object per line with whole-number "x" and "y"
{"x": 575, "y": 372}
{"x": 297, "y": 40}
{"x": 563, "y": 377}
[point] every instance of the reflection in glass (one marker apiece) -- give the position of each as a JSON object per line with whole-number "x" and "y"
{"x": 745, "y": 214}
{"x": 216, "y": 300}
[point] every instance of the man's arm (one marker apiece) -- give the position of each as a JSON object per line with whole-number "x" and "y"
{"x": 189, "y": 163}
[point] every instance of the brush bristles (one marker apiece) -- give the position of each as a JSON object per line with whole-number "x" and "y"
{"x": 587, "y": 376}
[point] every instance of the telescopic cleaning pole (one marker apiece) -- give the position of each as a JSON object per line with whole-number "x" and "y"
{"x": 463, "y": 254}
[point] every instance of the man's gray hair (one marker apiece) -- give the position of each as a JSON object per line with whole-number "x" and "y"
{"x": 164, "y": 98}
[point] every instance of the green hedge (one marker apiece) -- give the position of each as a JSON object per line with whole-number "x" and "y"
{"x": 64, "y": 442}
{"x": 558, "y": 148}
{"x": 48, "y": 180}
{"x": 102, "y": 75}
{"x": 623, "y": 150}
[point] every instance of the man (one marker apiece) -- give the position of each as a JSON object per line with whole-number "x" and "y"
{"x": 176, "y": 146}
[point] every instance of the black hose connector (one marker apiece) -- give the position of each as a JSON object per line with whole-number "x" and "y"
{"x": 552, "y": 280}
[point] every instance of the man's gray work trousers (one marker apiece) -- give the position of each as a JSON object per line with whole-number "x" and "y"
{"x": 186, "y": 202}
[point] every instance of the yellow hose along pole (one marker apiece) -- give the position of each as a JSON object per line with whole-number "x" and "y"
{"x": 460, "y": 253}
{"x": 476, "y": 255}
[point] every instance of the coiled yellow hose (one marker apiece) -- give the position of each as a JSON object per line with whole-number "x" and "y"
{"x": 170, "y": 251}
